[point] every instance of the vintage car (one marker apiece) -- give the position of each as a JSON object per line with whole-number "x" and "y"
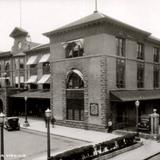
{"x": 144, "y": 124}
{"x": 12, "y": 123}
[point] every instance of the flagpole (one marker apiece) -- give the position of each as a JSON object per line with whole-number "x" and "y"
{"x": 95, "y": 6}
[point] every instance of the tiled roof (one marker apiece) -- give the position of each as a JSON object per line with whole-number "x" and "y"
{"x": 95, "y": 17}
{"x": 5, "y": 54}
{"x": 18, "y": 32}
{"x": 39, "y": 47}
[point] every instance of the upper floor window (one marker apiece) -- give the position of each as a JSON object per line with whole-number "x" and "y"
{"x": 156, "y": 54}
{"x": 21, "y": 63}
{"x": 120, "y": 73}
{"x": 156, "y": 76}
{"x": 140, "y": 75}
{"x": 7, "y": 68}
{"x": 120, "y": 46}
{"x": 140, "y": 51}
{"x": 16, "y": 63}
{"x": 46, "y": 68}
{"x": 33, "y": 69}
{"x": 74, "y": 48}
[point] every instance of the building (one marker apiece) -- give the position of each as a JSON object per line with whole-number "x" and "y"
{"x": 25, "y": 73}
{"x": 100, "y": 67}
{"x": 93, "y": 70}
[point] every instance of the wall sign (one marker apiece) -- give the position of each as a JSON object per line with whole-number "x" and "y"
{"x": 94, "y": 109}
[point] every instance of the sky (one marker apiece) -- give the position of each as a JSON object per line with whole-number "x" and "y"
{"x": 40, "y": 16}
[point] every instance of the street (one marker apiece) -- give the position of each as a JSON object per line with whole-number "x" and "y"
{"x": 29, "y": 144}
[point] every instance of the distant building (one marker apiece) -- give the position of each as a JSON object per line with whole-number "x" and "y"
{"x": 25, "y": 70}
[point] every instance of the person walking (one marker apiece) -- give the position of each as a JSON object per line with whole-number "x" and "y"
{"x": 110, "y": 126}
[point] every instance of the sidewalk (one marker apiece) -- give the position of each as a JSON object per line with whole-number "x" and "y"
{"x": 74, "y": 133}
{"x": 149, "y": 148}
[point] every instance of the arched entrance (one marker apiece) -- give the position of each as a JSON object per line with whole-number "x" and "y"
{"x": 75, "y": 96}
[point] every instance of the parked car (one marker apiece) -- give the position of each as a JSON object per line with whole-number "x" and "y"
{"x": 145, "y": 123}
{"x": 12, "y": 123}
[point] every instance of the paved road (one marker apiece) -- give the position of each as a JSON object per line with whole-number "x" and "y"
{"x": 26, "y": 145}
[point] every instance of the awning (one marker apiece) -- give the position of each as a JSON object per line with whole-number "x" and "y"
{"x": 126, "y": 96}
{"x": 33, "y": 94}
{"x": 32, "y": 60}
{"x": 45, "y": 79}
{"x": 32, "y": 79}
{"x": 44, "y": 58}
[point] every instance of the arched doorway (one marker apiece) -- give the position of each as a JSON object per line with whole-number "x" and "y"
{"x": 75, "y": 96}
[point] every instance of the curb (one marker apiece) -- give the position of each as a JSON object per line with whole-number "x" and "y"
{"x": 43, "y": 132}
{"x": 151, "y": 156}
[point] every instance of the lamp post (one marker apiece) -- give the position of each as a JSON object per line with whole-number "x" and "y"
{"x": 26, "y": 124}
{"x": 2, "y": 116}
{"x": 137, "y": 103}
{"x": 48, "y": 115}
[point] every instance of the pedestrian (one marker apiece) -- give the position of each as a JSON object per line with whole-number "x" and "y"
{"x": 45, "y": 119}
{"x": 53, "y": 120}
{"x": 110, "y": 126}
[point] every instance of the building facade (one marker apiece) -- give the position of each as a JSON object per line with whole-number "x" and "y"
{"x": 93, "y": 70}
{"x": 101, "y": 67}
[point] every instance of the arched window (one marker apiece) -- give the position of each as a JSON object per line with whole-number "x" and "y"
{"x": 75, "y": 80}
{"x": 75, "y": 96}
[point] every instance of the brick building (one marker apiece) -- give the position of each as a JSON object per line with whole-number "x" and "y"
{"x": 100, "y": 67}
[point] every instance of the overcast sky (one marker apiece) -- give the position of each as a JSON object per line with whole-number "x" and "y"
{"x": 40, "y": 16}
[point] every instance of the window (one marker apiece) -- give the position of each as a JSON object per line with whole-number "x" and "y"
{"x": 74, "y": 49}
{"x": 156, "y": 76}
{"x": 33, "y": 69}
{"x": 21, "y": 63}
{"x": 120, "y": 73}
{"x": 16, "y": 63}
{"x": 120, "y": 47}
{"x": 75, "y": 96}
{"x": 140, "y": 51}
{"x": 7, "y": 68}
{"x": 156, "y": 54}
{"x": 140, "y": 75}
{"x": 46, "y": 68}
{"x": 75, "y": 80}
{"x": 46, "y": 86}
{"x": 33, "y": 86}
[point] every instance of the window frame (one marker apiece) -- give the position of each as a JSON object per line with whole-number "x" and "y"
{"x": 120, "y": 46}
{"x": 120, "y": 72}
{"x": 140, "y": 74}
{"x": 140, "y": 51}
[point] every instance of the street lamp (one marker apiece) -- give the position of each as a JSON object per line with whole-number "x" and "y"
{"x": 137, "y": 103}
{"x": 26, "y": 124}
{"x": 2, "y": 116}
{"x": 48, "y": 115}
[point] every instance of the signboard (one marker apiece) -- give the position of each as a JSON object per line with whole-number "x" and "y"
{"x": 94, "y": 109}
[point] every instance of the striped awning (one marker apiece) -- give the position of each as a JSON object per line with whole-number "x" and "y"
{"x": 32, "y": 79}
{"x": 32, "y": 60}
{"x": 44, "y": 79}
{"x": 45, "y": 58}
